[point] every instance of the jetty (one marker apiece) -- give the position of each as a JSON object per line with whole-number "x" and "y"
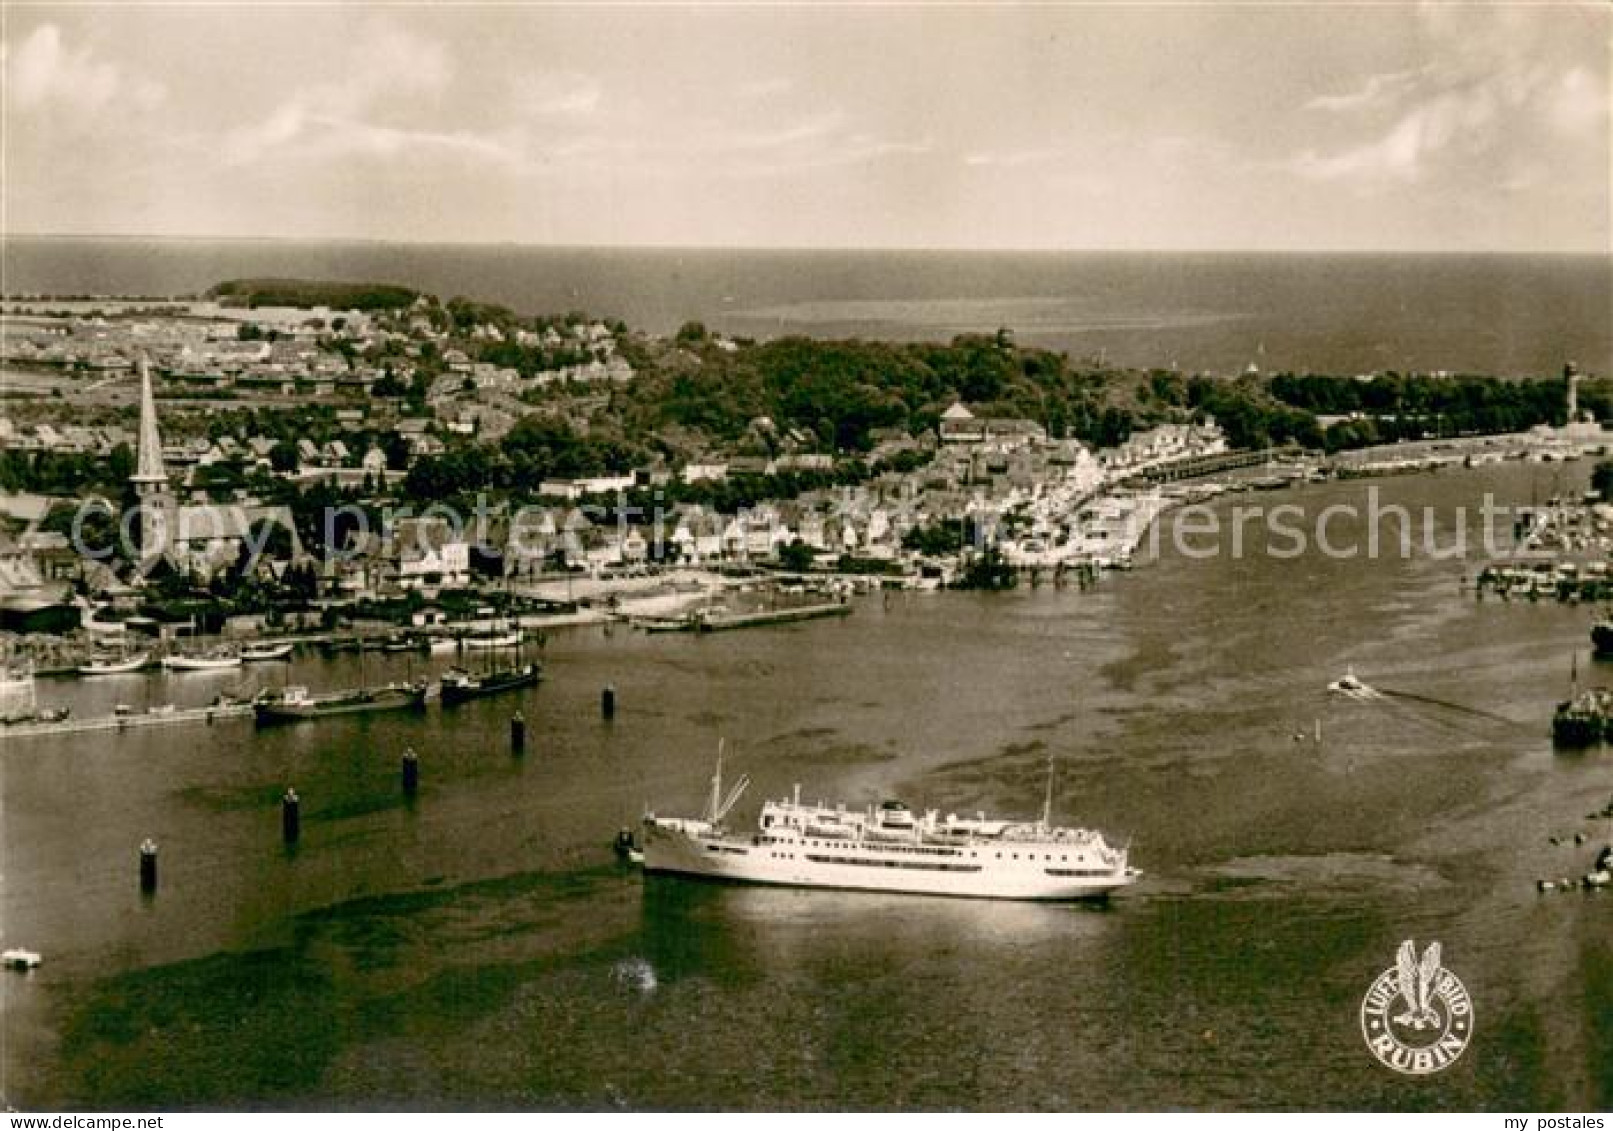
{"x": 707, "y": 620}
{"x": 157, "y": 716}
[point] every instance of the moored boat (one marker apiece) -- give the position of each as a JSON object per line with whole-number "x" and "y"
{"x": 459, "y": 685}
{"x": 107, "y": 665}
{"x": 297, "y": 704}
{"x": 486, "y": 640}
{"x": 216, "y": 660}
{"x": 265, "y": 653}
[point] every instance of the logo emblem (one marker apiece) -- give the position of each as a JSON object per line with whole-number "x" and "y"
{"x": 1417, "y": 1018}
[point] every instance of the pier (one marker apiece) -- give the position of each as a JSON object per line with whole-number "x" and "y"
{"x": 1194, "y": 467}
{"x": 155, "y": 718}
{"x": 703, "y": 621}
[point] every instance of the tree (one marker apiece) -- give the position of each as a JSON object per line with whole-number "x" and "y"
{"x": 796, "y": 557}
{"x": 988, "y": 570}
{"x": 1602, "y": 479}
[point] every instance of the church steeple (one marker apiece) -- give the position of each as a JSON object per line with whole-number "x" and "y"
{"x": 150, "y": 478}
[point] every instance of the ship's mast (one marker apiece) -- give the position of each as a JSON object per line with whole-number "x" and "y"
{"x": 1047, "y": 802}
{"x": 716, "y": 786}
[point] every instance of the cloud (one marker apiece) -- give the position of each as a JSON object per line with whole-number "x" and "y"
{"x": 384, "y": 63}
{"x": 563, "y": 94}
{"x": 42, "y": 73}
{"x": 1577, "y": 103}
{"x": 1491, "y": 90}
{"x": 1378, "y": 90}
{"x": 1010, "y": 159}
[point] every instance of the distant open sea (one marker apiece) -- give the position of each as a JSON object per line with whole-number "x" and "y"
{"x": 1326, "y": 313}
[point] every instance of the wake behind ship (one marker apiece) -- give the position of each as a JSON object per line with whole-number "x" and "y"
{"x": 887, "y": 849}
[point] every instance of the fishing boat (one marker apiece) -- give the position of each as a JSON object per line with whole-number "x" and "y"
{"x": 889, "y": 848}
{"x": 216, "y": 660}
{"x": 107, "y": 665}
{"x": 459, "y": 685}
{"x": 265, "y": 653}
{"x": 298, "y": 704}
{"x": 441, "y": 645}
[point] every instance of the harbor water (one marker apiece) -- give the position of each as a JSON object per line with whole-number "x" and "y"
{"x": 479, "y": 947}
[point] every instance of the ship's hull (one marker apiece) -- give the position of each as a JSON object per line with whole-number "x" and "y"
{"x": 270, "y": 712}
{"x": 266, "y": 655}
{"x": 200, "y": 663}
{"x": 114, "y": 667}
{"x": 869, "y": 867}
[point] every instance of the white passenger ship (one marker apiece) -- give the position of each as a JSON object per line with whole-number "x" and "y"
{"x": 887, "y": 849}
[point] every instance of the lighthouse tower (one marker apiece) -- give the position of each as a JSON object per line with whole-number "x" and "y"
{"x": 150, "y": 478}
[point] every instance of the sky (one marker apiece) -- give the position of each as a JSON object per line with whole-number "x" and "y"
{"x": 1429, "y": 127}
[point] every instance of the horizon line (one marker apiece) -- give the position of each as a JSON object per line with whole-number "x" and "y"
{"x": 382, "y": 241}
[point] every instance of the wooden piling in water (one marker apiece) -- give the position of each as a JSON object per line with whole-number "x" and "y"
{"x": 290, "y": 817}
{"x": 148, "y": 866}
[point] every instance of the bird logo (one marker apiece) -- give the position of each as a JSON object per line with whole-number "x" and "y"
{"x": 1416, "y": 984}
{"x": 1417, "y": 1017}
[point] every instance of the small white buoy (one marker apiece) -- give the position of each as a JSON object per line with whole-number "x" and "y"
{"x": 1547, "y": 885}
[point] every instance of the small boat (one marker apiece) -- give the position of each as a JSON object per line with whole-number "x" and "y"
{"x": 1347, "y": 683}
{"x": 459, "y": 685}
{"x": 207, "y": 662}
{"x": 263, "y": 653}
{"x": 484, "y": 640}
{"x": 404, "y": 642}
{"x": 296, "y": 704}
{"x": 441, "y": 645}
{"x": 1350, "y": 686}
{"x": 109, "y": 666}
{"x": 19, "y": 959}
